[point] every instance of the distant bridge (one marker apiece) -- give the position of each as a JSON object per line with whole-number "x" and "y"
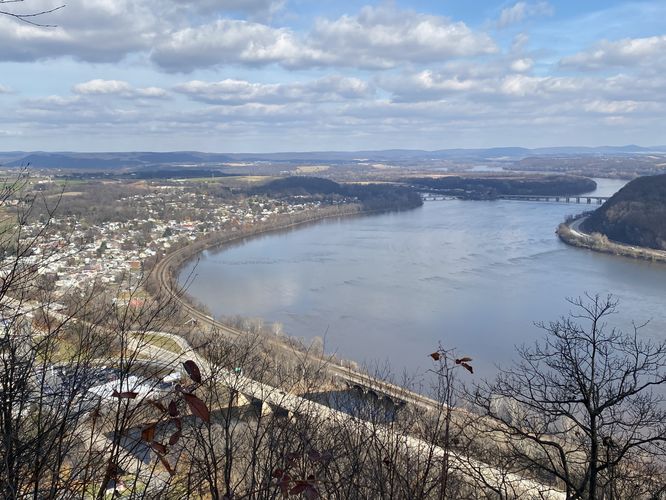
{"x": 598, "y": 200}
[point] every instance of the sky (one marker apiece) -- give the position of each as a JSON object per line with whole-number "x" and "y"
{"x": 301, "y": 75}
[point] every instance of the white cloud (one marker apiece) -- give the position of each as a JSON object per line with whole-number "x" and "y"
{"x": 616, "y": 107}
{"x": 228, "y": 41}
{"x": 117, "y": 87}
{"x": 520, "y": 11}
{"x": 184, "y": 35}
{"x": 89, "y": 30}
{"x": 5, "y": 90}
{"x": 524, "y": 85}
{"x": 626, "y": 52}
{"x": 382, "y": 37}
{"x": 237, "y": 92}
{"x": 102, "y": 87}
{"x": 522, "y": 65}
{"x": 376, "y": 38}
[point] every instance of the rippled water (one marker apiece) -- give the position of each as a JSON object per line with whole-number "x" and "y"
{"x": 470, "y": 274}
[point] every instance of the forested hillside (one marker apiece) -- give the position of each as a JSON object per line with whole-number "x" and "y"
{"x": 635, "y": 215}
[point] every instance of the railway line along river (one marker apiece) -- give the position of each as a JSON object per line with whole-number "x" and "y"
{"x": 387, "y": 288}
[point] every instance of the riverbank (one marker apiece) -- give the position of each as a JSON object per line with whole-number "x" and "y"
{"x": 571, "y": 234}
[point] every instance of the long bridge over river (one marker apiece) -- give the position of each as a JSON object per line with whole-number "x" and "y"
{"x": 598, "y": 200}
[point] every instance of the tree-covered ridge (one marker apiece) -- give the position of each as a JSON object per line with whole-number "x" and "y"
{"x": 497, "y": 185}
{"x": 371, "y": 196}
{"x": 635, "y": 215}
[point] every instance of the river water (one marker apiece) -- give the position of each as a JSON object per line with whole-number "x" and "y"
{"x": 474, "y": 275}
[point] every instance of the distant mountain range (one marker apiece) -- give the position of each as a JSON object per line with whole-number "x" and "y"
{"x": 105, "y": 161}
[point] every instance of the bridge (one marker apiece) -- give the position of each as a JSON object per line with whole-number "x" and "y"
{"x": 436, "y": 197}
{"x": 598, "y": 200}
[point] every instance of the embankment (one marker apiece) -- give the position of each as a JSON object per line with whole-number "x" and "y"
{"x": 571, "y": 234}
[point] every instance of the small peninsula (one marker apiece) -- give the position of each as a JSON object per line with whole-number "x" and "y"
{"x": 635, "y": 215}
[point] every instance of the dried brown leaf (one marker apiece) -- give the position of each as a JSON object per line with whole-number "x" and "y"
{"x": 197, "y": 407}
{"x": 193, "y": 371}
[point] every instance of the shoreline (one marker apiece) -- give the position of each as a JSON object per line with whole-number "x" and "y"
{"x": 570, "y": 233}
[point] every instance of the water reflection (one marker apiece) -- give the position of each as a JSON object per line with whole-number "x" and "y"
{"x": 473, "y": 275}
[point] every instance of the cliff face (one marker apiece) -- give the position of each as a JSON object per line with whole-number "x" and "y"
{"x": 635, "y": 215}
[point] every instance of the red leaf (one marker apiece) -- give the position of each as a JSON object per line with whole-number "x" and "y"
{"x": 300, "y": 487}
{"x": 311, "y": 492}
{"x": 159, "y": 406}
{"x": 148, "y": 433}
{"x": 158, "y": 447}
{"x": 197, "y": 407}
{"x": 166, "y": 465}
{"x": 284, "y": 484}
{"x": 193, "y": 371}
{"x": 179, "y": 423}
{"x": 467, "y": 367}
{"x": 173, "y": 408}
{"x": 174, "y": 438}
{"x": 128, "y": 394}
{"x": 277, "y": 473}
{"x": 435, "y": 356}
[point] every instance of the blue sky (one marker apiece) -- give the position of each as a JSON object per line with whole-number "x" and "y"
{"x": 295, "y": 75}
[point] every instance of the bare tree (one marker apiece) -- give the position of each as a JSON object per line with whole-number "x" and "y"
{"x": 584, "y": 408}
{"x": 30, "y": 17}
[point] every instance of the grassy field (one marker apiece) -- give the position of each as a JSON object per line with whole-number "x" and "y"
{"x": 160, "y": 341}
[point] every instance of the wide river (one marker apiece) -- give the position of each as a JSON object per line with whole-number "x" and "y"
{"x": 388, "y": 288}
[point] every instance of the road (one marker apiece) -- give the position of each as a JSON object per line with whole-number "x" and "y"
{"x": 296, "y": 405}
{"x": 575, "y": 227}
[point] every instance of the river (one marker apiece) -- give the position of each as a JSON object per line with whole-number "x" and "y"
{"x": 386, "y": 289}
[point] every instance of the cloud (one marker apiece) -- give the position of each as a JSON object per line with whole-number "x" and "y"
{"x": 237, "y": 92}
{"x": 5, "y": 90}
{"x": 617, "y": 107}
{"x": 255, "y": 8}
{"x": 627, "y": 52}
{"x": 227, "y": 41}
{"x": 522, "y": 65}
{"x": 88, "y": 30}
{"x": 102, "y": 87}
{"x": 117, "y": 87}
{"x": 184, "y": 35}
{"x": 520, "y": 11}
{"x": 495, "y": 82}
{"x": 383, "y": 37}
{"x": 377, "y": 38}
